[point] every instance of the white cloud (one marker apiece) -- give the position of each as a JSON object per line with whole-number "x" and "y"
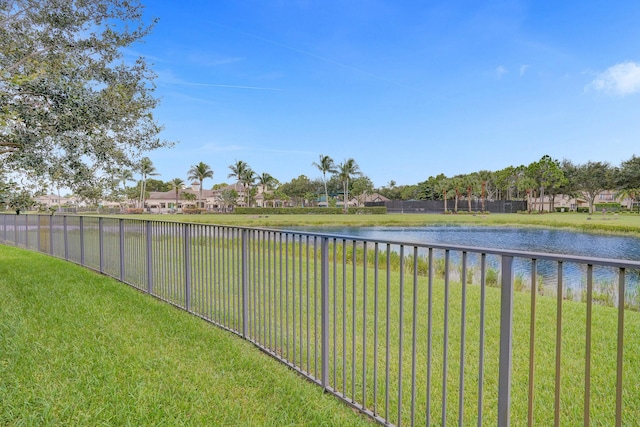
{"x": 620, "y": 79}
{"x": 523, "y": 69}
{"x": 500, "y": 71}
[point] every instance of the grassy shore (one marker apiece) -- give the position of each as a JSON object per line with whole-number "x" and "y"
{"x": 77, "y": 348}
{"x": 597, "y": 223}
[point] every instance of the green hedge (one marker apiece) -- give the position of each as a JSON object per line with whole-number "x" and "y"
{"x": 377, "y": 210}
{"x": 610, "y": 207}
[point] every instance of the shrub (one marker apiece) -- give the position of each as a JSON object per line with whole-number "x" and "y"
{"x": 582, "y": 209}
{"x": 134, "y": 211}
{"x": 375, "y": 210}
{"x": 193, "y": 211}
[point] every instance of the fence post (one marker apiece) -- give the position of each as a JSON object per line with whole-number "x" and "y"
{"x": 38, "y": 233}
{"x": 66, "y": 237}
{"x": 149, "y": 259}
{"x": 82, "y": 240}
{"x": 121, "y": 229}
{"x": 506, "y": 341}
{"x": 324, "y": 277}
{"x": 26, "y": 231}
{"x": 15, "y": 230}
{"x": 101, "y": 243}
{"x": 50, "y": 235}
{"x": 187, "y": 267}
{"x": 245, "y": 285}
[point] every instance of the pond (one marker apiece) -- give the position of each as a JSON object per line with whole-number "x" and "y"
{"x": 522, "y": 239}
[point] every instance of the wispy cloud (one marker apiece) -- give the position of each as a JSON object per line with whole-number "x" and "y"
{"x": 169, "y": 78}
{"x": 621, "y": 79}
{"x": 501, "y": 71}
{"x": 523, "y": 69}
{"x": 212, "y": 61}
{"x": 317, "y": 57}
{"x": 212, "y": 147}
{"x": 225, "y": 86}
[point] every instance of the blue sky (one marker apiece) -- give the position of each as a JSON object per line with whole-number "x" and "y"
{"x": 408, "y": 89}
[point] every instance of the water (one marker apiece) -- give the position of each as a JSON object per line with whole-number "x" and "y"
{"x": 522, "y": 239}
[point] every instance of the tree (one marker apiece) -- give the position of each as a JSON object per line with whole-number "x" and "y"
{"x": 145, "y": 169}
{"x": 547, "y": 174}
{"x": 346, "y": 170}
{"x": 298, "y": 188}
{"x": 361, "y": 186}
{"x": 471, "y": 183}
{"x": 325, "y": 165}
{"x": 70, "y": 103}
{"x": 266, "y": 181}
{"x": 177, "y": 184}
{"x": 590, "y": 179}
{"x": 229, "y": 198}
{"x": 244, "y": 174}
{"x": 200, "y": 172}
{"x": 628, "y": 179}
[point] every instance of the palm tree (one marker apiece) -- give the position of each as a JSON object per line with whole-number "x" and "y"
{"x": 200, "y": 172}
{"x": 326, "y": 165}
{"x": 243, "y": 173}
{"x": 248, "y": 178}
{"x": 124, "y": 176}
{"x": 146, "y": 169}
{"x": 265, "y": 181}
{"x": 345, "y": 171}
{"x": 177, "y": 184}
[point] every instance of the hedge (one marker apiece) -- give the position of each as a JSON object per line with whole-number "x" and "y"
{"x": 376, "y": 210}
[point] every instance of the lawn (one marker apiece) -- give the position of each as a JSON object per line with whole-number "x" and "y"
{"x": 78, "y": 348}
{"x": 610, "y": 223}
{"x": 352, "y": 290}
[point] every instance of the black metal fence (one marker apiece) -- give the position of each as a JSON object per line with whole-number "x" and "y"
{"x": 438, "y": 206}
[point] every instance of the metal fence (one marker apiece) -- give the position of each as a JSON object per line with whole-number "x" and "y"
{"x": 438, "y": 206}
{"x": 406, "y": 333}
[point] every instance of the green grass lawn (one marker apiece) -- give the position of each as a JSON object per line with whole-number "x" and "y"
{"x": 78, "y": 348}
{"x": 610, "y": 223}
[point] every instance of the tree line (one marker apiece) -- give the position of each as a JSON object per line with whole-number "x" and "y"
{"x": 546, "y": 177}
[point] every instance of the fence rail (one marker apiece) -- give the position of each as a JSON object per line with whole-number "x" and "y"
{"x": 406, "y": 333}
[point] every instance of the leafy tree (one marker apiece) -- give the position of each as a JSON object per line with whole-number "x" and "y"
{"x": 346, "y": 170}
{"x": 219, "y": 186}
{"x": 547, "y": 174}
{"x": 590, "y": 179}
{"x": 361, "y": 186}
{"x": 229, "y": 198}
{"x": 177, "y": 184}
{"x": 70, "y": 103}
{"x": 325, "y": 165}
{"x": 411, "y": 192}
{"x": 298, "y": 188}
{"x": 200, "y": 172}
{"x": 627, "y": 179}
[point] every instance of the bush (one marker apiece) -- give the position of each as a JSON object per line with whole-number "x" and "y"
{"x": 376, "y": 210}
{"x": 582, "y": 210}
{"x": 193, "y": 211}
{"x": 610, "y": 207}
{"x": 134, "y": 211}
